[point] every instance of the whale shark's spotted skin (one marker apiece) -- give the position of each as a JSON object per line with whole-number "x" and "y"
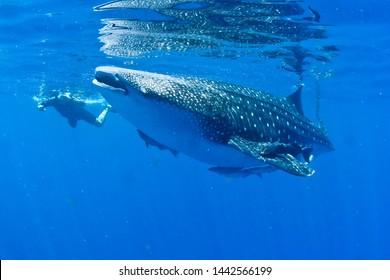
{"x": 227, "y": 125}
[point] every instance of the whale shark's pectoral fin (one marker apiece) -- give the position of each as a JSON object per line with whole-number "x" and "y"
{"x": 279, "y": 155}
{"x": 151, "y": 142}
{"x": 72, "y": 122}
{"x": 242, "y": 172}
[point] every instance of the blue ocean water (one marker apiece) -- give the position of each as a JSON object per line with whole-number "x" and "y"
{"x": 100, "y": 193}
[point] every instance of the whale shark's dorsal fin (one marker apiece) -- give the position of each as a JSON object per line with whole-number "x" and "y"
{"x": 295, "y": 99}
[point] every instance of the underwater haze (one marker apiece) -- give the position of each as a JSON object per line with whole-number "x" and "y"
{"x": 90, "y": 192}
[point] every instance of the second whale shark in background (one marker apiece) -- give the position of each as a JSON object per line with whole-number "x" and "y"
{"x": 239, "y": 130}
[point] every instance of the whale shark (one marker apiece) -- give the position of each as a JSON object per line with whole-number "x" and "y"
{"x": 237, "y": 130}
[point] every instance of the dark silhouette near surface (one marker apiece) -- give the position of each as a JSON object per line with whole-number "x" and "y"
{"x": 315, "y": 17}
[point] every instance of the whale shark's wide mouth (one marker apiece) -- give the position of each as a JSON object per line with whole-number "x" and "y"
{"x": 109, "y": 79}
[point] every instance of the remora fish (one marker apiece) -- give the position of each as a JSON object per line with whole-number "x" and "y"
{"x": 229, "y": 126}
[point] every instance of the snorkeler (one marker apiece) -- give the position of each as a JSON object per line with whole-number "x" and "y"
{"x": 73, "y": 109}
